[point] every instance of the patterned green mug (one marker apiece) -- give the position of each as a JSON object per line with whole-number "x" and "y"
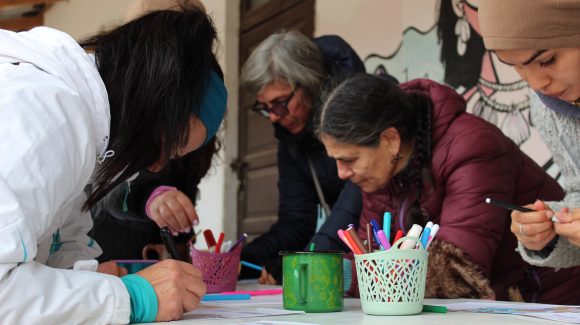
{"x": 313, "y": 281}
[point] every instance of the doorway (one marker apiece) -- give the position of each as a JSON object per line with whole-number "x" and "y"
{"x": 256, "y": 165}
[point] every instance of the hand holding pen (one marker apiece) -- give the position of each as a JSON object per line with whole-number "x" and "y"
{"x": 178, "y": 286}
{"x": 533, "y": 224}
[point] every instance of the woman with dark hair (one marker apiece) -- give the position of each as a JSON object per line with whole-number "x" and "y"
{"x": 128, "y": 218}
{"x": 544, "y": 49}
{"x": 146, "y": 92}
{"x": 414, "y": 151}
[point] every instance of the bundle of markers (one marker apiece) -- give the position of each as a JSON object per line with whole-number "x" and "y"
{"x": 381, "y": 236}
{"x": 220, "y": 246}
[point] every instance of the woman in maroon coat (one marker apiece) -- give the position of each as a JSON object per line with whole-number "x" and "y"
{"x": 414, "y": 151}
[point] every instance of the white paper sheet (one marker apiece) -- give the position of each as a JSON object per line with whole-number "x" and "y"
{"x": 559, "y": 313}
{"x": 208, "y": 311}
{"x": 271, "y": 322}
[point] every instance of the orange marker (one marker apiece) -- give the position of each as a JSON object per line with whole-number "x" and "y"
{"x": 356, "y": 239}
{"x": 355, "y": 248}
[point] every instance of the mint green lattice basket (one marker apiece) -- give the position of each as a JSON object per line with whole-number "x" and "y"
{"x": 392, "y": 282}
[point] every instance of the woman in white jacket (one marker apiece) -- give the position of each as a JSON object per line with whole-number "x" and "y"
{"x": 70, "y": 115}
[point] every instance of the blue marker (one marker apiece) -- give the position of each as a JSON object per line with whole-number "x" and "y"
{"x": 219, "y": 296}
{"x": 376, "y": 229}
{"x": 251, "y": 265}
{"x": 426, "y": 233}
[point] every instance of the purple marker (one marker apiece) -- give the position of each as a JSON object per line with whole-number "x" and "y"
{"x": 239, "y": 242}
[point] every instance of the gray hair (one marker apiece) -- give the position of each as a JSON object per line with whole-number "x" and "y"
{"x": 287, "y": 55}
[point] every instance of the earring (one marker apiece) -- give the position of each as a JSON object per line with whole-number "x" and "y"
{"x": 396, "y": 158}
{"x": 462, "y": 29}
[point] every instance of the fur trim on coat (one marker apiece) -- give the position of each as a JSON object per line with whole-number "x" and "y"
{"x": 452, "y": 274}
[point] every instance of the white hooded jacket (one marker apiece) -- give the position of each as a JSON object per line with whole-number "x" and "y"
{"x": 54, "y": 124}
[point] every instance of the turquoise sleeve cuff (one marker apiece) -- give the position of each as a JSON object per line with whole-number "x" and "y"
{"x": 347, "y": 273}
{"x": 144, "y": 303}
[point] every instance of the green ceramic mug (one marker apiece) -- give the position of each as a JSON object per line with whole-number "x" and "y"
{"x": 313, "y": 281}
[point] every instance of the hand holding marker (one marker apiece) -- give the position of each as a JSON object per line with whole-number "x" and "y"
{"x": 169, "y": 243}
{"x": 513, "y": 207}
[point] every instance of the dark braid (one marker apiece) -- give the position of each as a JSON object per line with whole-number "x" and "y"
{"x": 419, "y": 169}
{"x": 361, "y": 107}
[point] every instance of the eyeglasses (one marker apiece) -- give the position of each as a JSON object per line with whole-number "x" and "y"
{"x": 277, "y": 107}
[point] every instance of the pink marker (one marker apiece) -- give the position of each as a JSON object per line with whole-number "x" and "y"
{"x": 343, "y": 238}
{"x": 255, "y": 292}
{"x": 383, "y": 239}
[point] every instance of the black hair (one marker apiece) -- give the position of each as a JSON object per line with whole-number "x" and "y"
{"x": 195, "y": 165}
{"x": 460, "y": 70}
{"x": 155, "y": 69}
{"x": 361, "y": 107}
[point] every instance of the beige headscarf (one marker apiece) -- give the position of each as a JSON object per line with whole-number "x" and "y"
{"x": 141, "y": 7}
{"x": 530, "y": 24}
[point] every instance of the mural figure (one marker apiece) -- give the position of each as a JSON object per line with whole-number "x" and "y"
{"x": 452, "y": 52}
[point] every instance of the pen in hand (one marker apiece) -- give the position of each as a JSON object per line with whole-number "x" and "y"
{"x": 507, "y": 205}
{"x": 169, "y": 243}
{"x": 512, "y": 207}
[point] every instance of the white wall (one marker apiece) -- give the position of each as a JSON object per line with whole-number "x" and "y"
{"x": 377, "y": 27}
{"x": 372, "y": 26}
{"x": 217, "y": 207}
{"x": 81, "y": 18}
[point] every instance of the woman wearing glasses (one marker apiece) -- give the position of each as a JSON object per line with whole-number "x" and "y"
{"x": 286, "y": 72}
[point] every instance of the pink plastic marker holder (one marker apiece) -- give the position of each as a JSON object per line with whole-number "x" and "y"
{"x": 220, "y": 270}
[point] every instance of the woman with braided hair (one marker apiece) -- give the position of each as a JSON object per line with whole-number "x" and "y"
{"x": 414, "y": 151}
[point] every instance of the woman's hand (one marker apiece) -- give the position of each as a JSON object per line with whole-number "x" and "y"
{"x": 569, "y": 225}
{"x": 178, "y": 285}
{"x": 112, "y": 268}
{"x": 266, "y": 278}
{"x": 534, "y": 229}
{"x": 175, "y": 210}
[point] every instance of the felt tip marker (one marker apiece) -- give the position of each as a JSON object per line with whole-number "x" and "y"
{"x": 513, "y": 207}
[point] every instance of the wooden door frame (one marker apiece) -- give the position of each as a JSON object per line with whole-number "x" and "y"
{"x": 266, "y": 17}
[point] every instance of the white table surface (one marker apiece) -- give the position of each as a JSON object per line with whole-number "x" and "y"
{"x": 353, "y": 314}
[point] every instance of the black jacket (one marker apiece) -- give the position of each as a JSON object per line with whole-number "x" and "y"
{"x": 297, "y": 209}
{"x": 121, "y": 227}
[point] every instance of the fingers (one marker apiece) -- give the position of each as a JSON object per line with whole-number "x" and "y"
{"x": 538, "y": 205}
{"x": 178, "y": 286}
{"x": 271, "y": 279}
{"x": 112, "y": 268}
{"x": 533, "y": 229}
{"x": 532, "y": 217}
{"x": 263, "y": 279}
{"x": 188, "y": 208}
{"x": 174, "y": 210}
{"x": 569, "y": 230}
{"x": 190, "y": 301}
{"x": 197, "y": 287}
{"x": 177, "y": 212}
{"x": 266, "y": 278}
{"x": 567, "y": 215}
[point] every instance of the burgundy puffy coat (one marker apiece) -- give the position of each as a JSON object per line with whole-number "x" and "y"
{"x": 474, "y": 254}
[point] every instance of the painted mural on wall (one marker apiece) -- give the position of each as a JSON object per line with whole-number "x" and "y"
{"x": 452, "y": 52}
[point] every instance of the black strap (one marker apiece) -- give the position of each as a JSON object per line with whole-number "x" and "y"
{"x": 293, "y": 148}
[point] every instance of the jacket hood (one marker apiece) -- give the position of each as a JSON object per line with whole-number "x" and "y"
{"x": 447, "y": 104}
{"x": 59, "y": 54}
